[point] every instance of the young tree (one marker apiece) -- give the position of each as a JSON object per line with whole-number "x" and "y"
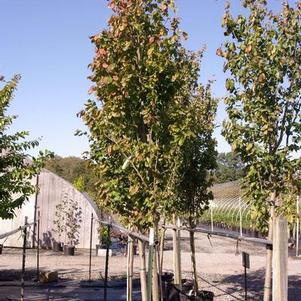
{"x": 263, "y": 57}
{"x": 143, "y": 80}
{"x": 16, "y": 171}
{"x": 198, "y": 157}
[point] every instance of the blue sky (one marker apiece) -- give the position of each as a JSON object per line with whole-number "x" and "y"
{"x": 46, "y": 41}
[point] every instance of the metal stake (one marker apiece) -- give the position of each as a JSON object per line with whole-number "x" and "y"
{"x": 90, "y": 255}
{"x": 297, "y": 226}
{"x": 107, "y": 264}
{"x": 246, "y": 285}
{"x": 38, "y": 248}
{"x": 23, "y": 259}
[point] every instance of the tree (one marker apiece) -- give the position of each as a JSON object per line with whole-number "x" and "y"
{"x": 143, "y": 81}
{"x": 198, "y": 157}
{"x": 68, "y": 218}
{"x": 229, "y": 168}
{"x": 16, "y": 170}
{"x": 263, "y": 57}
{"x": 74, "y": 170}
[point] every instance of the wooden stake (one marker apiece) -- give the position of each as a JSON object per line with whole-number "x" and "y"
{"x": 280, "y": 259}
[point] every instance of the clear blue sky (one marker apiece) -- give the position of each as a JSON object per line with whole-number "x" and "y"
{"x": 46, "y": 41}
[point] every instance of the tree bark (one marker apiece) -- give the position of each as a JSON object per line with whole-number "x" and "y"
{"x": 176, "y": 255}
{"x": 155, "y": 286}
{"x": 193, "y": 261}
{"x": 161, "y": 253}
{"x": 179, "y": 255}
{"x": 143, "y": 281}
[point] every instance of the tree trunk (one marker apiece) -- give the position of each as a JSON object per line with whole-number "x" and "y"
{"x": 155, "y": 286}
{"x": 160, "y": 259}
{"x": 161, "y": 253}
{"x": 176, "y": 255}
{"x": 143, "y": 282}
{"x": 269, "y": 257}
{"x": 192, "y": 248}
{"x": 179, "y": 254}
{"x": 280, "y": 259}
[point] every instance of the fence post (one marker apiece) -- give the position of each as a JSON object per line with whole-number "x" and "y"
{"x": 38, "y": 248}
{"x": 23, "y": 259}
{"x": 90, "y": 254}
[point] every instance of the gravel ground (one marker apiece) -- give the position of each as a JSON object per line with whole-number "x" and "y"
{"x": 218, "y": 262}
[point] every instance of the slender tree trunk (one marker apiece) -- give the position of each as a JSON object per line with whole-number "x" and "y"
{"x": 176, "y": 255}
{"x": 160, "y": 259}
{"x": 161, "y": 253}
{"x": 155, "y": 286}
{"x": 143, "y": 281}
{"x": 269, "y": 257}
{"x": 193, "y": 261}
{"x": 179, "y": 254}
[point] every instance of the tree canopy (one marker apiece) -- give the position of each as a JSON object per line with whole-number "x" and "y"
{"x": 16, "y": 168}
{"x": 143, "y": 82}
{"x": 229, "y": 168}
{"x": 263, "y": 59}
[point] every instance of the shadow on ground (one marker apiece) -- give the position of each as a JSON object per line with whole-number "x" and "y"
{"x": 71, "y": 291}
{"x": 255, "y": 283}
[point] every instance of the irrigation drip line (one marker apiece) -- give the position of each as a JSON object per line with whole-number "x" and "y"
{"x": 261, "y": 241}
{"x": 21, "y": 228}
{"x": 125, "y": 231}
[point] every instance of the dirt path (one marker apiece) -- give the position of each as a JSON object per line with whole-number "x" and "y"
{"x": 218, "y": 261}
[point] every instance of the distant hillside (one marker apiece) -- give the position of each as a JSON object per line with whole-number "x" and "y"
{"x": 74, "y": 170}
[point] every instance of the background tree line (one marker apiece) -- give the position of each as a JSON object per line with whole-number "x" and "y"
{"x": 76, "y": 170}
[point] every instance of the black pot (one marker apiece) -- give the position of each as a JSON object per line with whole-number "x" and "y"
{"x": 203, "y": 296}
{"x": 1, "y": 248}
{"x": 172, "y": 293}
{"x": 69, "y": 250}
{"x": 167, "y": 277}
{"x": 187, "y": 285}
{"x": 57, "y": 246}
